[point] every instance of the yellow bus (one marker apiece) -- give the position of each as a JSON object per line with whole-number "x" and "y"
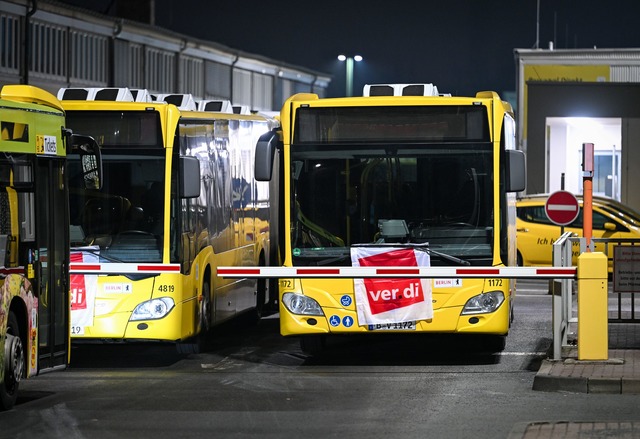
{"x": 34, "y": 237}
{"x": 179, "y": 199}
{"x": 403, "y": 176}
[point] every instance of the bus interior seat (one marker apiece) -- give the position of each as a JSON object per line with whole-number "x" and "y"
{"x": 134, "y": 219}
{"x": 104, "y": 216}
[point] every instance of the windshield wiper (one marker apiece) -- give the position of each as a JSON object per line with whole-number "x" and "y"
{"x": 446, "y": 256}
{"x": 330, "y": 255}
{"x": 422, "y": 247}
{"x": 324, "y": 255}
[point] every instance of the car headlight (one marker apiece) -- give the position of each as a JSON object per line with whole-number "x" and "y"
{"x": 483, "y": 303}
{"x": 300, "y": 304}
{"x": 153, "y": 309}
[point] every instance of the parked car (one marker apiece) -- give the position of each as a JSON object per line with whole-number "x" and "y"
{"x": 536, "y": 233}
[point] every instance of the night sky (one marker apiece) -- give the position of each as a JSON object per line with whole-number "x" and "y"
{"x": 462, "y": 46}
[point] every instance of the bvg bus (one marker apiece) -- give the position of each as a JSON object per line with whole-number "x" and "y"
{"x": 403, "y": 176}
{"x": 179, "y": 199}
{"x": 34, "y": 233}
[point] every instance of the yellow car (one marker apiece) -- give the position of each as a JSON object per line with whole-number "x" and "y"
{"x": 536, "y": 233}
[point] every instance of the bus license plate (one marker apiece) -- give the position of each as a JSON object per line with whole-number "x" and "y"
{"x": 402, "y": 326}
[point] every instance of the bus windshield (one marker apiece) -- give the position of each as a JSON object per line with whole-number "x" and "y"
{"x": 349, "y": 191}
{"x": 124, "y": 220}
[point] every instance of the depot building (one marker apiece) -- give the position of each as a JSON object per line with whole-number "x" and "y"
{"x": 569, "y": 97}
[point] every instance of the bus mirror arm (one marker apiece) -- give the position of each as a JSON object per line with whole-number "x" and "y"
{"x": 265, "y": 153}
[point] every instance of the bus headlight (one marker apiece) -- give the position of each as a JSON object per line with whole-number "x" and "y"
{"x": 483, "y": 303}
{"x": 152, "y": 309}
{"x": 299, "y": 304}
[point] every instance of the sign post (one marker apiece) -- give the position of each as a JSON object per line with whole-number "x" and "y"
{"x": 562, "y": 208}
{"x": 587, "y": 189}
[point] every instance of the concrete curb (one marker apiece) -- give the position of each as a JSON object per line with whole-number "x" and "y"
{"x": 613, "y": 376}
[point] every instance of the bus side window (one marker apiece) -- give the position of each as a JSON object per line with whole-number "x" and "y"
{"x": 4, "y": 246}
{"x": 17, "y": 132}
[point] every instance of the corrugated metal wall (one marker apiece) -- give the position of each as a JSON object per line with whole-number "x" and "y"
{"x": 70, "y": 49}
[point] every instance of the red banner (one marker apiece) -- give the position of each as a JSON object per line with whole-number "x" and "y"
{"x": 380, "y": 300}
{"x": 78, "y": 287}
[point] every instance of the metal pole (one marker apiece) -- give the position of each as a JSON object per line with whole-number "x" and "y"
{"x": 350, "y": 76}
{"x": 25, "y": 43}
{"x": 587, "y": 184}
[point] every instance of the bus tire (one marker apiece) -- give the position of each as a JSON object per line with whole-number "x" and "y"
{"x": 313, "y": 344}
{"x": 274, "y": 291}
{"x": 14, "y": 363}
{"x": 261, "y": 295}
{"x": 206, "y": 309}
{"x": 197, "y": 344}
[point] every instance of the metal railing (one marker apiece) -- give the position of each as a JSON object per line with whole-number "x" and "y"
{"x": 562, "y": 290}
{"x": 625, "y": 310}
{"x": 565, "y": 301}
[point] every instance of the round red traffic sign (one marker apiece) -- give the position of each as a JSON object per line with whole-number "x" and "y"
{"x": 562, "y": 208}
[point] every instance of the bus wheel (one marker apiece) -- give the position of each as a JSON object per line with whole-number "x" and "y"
{"x": 205, "y": 309}
{"x": 14, "y": 362}
{"x": 197, "y": 344}
{"x": 261, "y": 295}
{"x": 312, "y": 344}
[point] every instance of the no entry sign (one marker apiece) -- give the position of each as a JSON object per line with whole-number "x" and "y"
{"x": 562, "y": 208}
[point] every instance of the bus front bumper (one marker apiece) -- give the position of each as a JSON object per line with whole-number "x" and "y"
{"x": 445, "y": 320}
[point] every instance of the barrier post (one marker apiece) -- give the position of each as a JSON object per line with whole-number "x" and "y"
{"x": 593, "y": 337}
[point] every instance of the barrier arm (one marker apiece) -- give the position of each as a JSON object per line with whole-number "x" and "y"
{"x": 398, "y": 272}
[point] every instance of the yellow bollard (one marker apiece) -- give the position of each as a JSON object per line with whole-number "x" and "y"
{"x": 593, "y": 329}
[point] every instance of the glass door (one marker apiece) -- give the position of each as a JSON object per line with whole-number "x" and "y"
{"x": 52, "y": 238}
{"x": 606, "y": 173}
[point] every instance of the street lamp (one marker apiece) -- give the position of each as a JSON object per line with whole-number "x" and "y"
{"x": 350, "y": 60}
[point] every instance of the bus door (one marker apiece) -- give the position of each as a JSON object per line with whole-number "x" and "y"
{"x": 51, "y": 212}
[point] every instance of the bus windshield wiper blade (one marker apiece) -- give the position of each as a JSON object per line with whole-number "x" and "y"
{"x": 324, "y": 255}
{"x": 447, "y": 257}
{"x": 422, "y": 247}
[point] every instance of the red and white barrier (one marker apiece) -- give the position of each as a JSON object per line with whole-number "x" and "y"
{"x": 388, "y": 272}
{"x": 122, "y": 268}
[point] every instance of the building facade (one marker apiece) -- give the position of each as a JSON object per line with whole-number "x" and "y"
{"x": 53, "y": 45}
{"x": 566, "y": 98}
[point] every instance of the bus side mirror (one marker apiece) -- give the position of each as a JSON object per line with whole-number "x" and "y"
{"x": 265, "y": 153}
{"x": 90, "y": 158}
{"x": 516, "y": 172}
{"x": 189, "y": 177}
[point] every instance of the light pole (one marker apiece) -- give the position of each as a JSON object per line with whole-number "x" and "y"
{"x": 350, "y": 60}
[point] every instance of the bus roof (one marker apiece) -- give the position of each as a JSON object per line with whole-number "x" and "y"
{"x": 28, "y": 94}
{"x": 81, "y": 105}
{"x": 313, "y": 100}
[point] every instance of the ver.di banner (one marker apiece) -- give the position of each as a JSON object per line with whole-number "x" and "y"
{"x": 83, "y": 292}
{"x": 380, "y": 300}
